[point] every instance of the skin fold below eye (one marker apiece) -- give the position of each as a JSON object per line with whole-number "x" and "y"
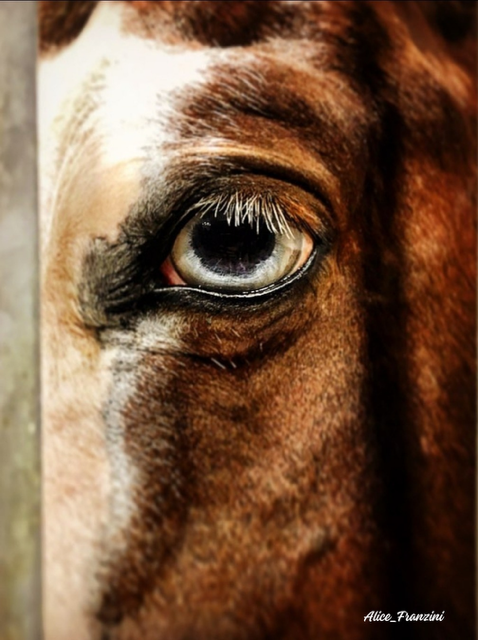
{"x": 217, "y": 253}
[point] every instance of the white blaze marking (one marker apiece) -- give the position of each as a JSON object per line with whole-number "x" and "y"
{"x": 111, "y": 94}
{"x": 129, "y": 84}
{"x": 125, "y": 359}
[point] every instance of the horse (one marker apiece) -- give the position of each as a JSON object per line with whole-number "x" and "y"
{"x": 258, "y": 319}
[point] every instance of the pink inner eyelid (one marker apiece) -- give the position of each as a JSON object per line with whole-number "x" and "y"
{"x": 170, "y": 275}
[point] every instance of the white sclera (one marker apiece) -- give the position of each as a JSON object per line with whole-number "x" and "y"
{"x": 289, "y": 253}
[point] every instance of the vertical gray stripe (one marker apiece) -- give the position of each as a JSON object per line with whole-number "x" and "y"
{"x": 20, "y": 599}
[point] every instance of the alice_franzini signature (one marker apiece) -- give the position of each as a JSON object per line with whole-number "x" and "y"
{"x": 379, "y": 616}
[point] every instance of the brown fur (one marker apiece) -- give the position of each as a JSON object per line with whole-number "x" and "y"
{"x": 307, "y": 458}
{"x": 62, "y": 21}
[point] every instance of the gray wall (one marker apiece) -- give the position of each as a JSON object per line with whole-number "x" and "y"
{"x": 20, "y": 600}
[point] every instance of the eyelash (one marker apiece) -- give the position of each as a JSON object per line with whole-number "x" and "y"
{"x": 239, "y": 208}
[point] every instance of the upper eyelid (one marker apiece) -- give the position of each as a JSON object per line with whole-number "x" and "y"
{"x": 194, "y": 175}
{"x": 204, "y": 192}
{"x": 315, "y": 178}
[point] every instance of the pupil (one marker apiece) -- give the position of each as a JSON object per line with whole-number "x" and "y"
{"x": 231, "y": 250}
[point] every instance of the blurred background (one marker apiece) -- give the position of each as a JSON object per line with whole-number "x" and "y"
{"x": 20, "y": 523}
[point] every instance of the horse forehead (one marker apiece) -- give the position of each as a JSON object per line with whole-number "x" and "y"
{"x": 212, "y": 23}
{"x": 133, "y": 52}
{"x": 122, "y": 71}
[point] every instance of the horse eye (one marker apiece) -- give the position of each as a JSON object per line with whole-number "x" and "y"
{"x": 213, "y": 251}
